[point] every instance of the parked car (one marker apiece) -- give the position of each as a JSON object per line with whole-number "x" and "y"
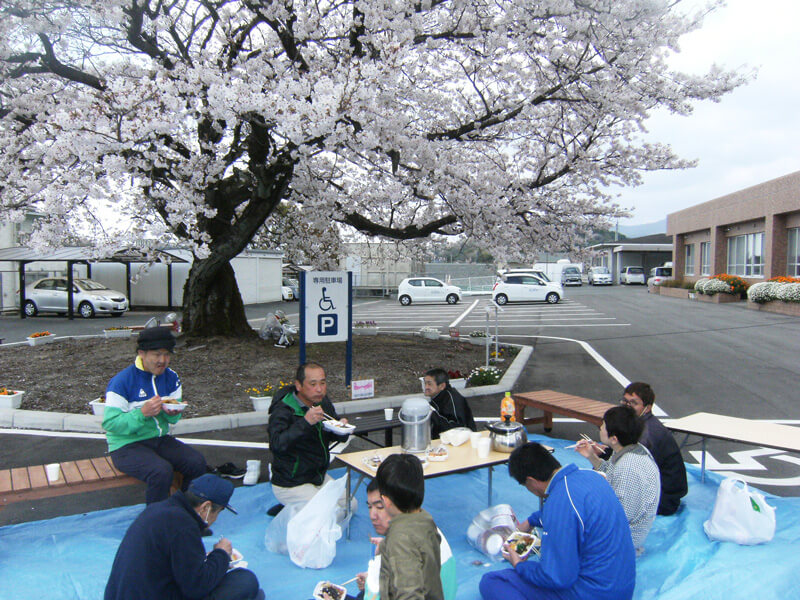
{"x": 599, "y": 276}
{"x": 631, "y": 275}
{"x": 286, "y": 293}
{"x": 571, "y": 276}
{"x": 89, "y": 298}
{"x": 427, "y": 289}
{"x": 526, "y": 287}
{"x": 659, "y": 275}
{"x": 294, "y": 286}
{"x": 540, "y": 274}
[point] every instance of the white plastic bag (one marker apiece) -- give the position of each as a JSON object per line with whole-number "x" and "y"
{"x": 312, "y": 533}
{"x": 740, "y": 515}
{"x": 275, "y": 536}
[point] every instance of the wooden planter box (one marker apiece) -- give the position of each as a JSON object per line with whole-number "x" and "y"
{"x": 777, "y": 306}
{"x": 11, "y": 400}
{"x": 717, "y": 298}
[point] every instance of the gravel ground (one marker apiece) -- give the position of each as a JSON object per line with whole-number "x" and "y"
{"x": 65, "y": 375}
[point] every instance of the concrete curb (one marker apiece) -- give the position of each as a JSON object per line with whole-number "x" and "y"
{"x": 52, "y": 421}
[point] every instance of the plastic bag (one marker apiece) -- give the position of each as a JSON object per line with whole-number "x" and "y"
{"x": 490, "y": 528}
{"x": 312, "y": 533}
{"x": 275, "y": 537}
{"x": 740, "y": 515}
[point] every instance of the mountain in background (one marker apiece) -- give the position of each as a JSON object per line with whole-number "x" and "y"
{"x": 633, "y": 231}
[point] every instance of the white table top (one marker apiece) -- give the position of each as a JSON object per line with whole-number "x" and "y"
{"x": 748, "y": 431}
{"x": 460, "y": 458}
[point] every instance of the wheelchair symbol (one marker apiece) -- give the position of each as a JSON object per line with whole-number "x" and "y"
{"x": 326, "y": 303}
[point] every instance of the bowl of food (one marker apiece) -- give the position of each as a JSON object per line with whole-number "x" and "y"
{"x": 236, "y": 558}
{"x": 524, "y": 543}
{"x": 373, "y": 462}
{"x": 438, "y": 453}
{"x": 173, "y": 404}
{"x": 338, "y": 427}
{"x": 326, "y": 590}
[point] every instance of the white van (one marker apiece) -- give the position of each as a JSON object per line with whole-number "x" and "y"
{"x": 630, "y": 275}
{"x": 659, "y": 275}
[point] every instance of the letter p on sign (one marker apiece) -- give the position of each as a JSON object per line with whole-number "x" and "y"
{"x": 327, "y": 324}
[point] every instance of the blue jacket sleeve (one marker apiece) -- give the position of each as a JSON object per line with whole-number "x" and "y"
{"x": 559, "y": 567}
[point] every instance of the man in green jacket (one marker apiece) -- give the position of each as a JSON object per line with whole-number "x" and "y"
{"x": 137, "y": 418}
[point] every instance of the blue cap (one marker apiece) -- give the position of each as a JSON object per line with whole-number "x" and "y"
{"x": 214, "y": 488}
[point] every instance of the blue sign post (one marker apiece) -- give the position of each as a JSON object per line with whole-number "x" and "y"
{"x": 326, "y": 306}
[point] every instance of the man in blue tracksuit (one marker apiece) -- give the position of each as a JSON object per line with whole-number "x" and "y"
{"x": 587, "y": 552}
{"x": 137, "y": 417}
{"x": 162, "y": 555}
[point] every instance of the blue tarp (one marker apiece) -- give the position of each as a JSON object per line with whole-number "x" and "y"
{"x": 70, "y": 557}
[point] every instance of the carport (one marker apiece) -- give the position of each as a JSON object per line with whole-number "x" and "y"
{"x": 86, "y": 256}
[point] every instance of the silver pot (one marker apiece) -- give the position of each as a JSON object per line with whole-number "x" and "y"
{"x": 507, "y": 435}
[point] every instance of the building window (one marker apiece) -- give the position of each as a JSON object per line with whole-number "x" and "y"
{"x": 746, "y": 255}
{"x": 705, "y": 258}
{"x": 689, "y": 266}
{"x": 793, "y": 258}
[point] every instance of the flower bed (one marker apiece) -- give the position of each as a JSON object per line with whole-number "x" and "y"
{"x": 779, "y": 295}
{"x": 484, "y": 376}
{"x": 722, "y": 288}
{"x": 261, "y": 397}
{"x": 365, "y": 328}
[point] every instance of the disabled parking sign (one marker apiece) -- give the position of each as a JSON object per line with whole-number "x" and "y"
{"x": 326, "y": 306}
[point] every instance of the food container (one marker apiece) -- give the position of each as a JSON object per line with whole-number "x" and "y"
{"x": 506, "y": 435}
{"x": 438, "y": 454}
{"x": 415, "y": 414}
{"x": 172, "y": 404}
{"x": 326, "y": 590}
{"x": 531, "y": 543}
{"x": 338, "y": 427}
{"x": 236, "y": 559}
{"x": 455, "y": 436}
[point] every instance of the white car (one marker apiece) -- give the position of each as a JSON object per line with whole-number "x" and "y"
{"x": 599, "y": 276}
{"x": 286, "y": 293}
{"x": 427, "y": 289}
{"x": 526, "y": 287}
{"x": 89, "y": 298}
{"x": 631, "y": 275}
{"x": 659, "y": 275}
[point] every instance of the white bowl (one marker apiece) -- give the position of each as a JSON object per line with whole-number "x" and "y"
{"x": 179, "y": 406}
{"x": 337, "y": 427}
{"x": 318, "y": 594}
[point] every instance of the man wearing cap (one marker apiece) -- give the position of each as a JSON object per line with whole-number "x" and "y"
{"x": 137, "y": 421}
{"x": 162, "y": 554}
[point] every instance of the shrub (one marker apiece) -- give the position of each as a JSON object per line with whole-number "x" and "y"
{"x": 484, "y": 376}
{"x": 738, "y": 285}
{"x": 785, "y": 279}
{"x": 699, "y": 285}
{"x": 716, "y": 286}
{"x": 478, "y": 333}
{"x": 763, "y": 291}
{"x": 788, "y": 292}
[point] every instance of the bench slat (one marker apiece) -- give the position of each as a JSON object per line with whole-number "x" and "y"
{"x": 5, "y": 481}
{"x": 19, "y": 479}
{"x": 71, "y": 473}
{"x": 88, "y": 472}
{"x": 38, "y": 477}
{"x": 103, "y": 467}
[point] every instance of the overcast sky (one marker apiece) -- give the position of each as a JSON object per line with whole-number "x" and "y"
{"x": 753, "y": 134}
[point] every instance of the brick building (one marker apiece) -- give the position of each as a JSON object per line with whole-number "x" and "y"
{"x": 753, "y": 233}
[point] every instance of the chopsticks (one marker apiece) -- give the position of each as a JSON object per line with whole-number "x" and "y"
{"x": 348, "y": 581}
{"x": 586, "y": 438}
{"x": 327, "y": 416}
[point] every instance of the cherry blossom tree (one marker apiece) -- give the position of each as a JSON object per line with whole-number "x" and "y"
{"x": 502, "y": 120}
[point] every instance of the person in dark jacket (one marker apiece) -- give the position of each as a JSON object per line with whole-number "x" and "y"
{"x": 162, "y": 554}
{"x": 659, "y": 441}
{"x": 299, "y": 443}
{"x": 450, "y": 409}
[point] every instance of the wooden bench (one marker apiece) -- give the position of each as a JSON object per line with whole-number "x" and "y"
{"x": 31, "y": 483}
{"x": 550, "y": 402}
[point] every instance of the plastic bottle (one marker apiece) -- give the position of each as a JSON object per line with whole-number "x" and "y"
{"x": 507, "y": 408}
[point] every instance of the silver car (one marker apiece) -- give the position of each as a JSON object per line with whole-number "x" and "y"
{"x": 599, "y": 276}
{"x": 89, "y": 297}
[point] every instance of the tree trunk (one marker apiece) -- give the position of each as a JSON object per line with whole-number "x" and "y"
{"x": 212, "y": 304}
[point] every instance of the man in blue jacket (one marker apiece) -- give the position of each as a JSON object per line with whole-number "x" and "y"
{"x": 162, "y": 554}
{"x": 137, "y": 418}
{"x": 586, "y": 553}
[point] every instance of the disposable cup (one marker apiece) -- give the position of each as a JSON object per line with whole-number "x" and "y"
{"x": 474, "y": 438}
{"x": 387, "y": 413}
{"x": 53, "y": 471}
{"x": 484, "y": 446}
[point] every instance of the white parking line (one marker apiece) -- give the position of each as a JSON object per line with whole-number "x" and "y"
{"x": 464, "y": 314}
